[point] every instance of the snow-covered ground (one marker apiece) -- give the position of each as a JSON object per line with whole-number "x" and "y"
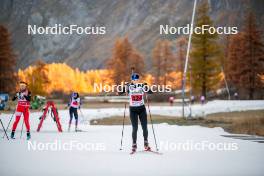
{"x": 189, "y": 150}
{"x": 209, "y": 108}
{"x": 176, "y": 111}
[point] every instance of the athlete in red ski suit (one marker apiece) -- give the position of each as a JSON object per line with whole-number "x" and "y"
{"x": 23, "y": 97}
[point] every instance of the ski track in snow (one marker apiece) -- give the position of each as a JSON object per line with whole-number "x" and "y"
{"x": 16, "y": 159}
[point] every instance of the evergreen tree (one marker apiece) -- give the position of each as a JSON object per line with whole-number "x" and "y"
{"x": 246, "y": 58}
{"x": 116, "y": 64}
{"x": 156, "y": 62}
{"x": 233, "y": 62}
{"x": 163, "y": 61}
{"x": 253, "y": 55}
{"x": 8, "y": 77}
{"x": 205, "y": 55}
{"x": 38, "y": 79}
{"x": 168, "y": 63}
{"x": 123, "y": 59}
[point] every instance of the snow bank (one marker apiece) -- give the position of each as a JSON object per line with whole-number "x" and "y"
{"x": 247, "y": 159}
{"x": 176, "y": 111}
{"x": 209, "y": 108}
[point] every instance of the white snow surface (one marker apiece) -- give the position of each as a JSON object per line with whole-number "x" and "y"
{"x": 17, "y": 159}
{"x": 196, "y": 109}
{"x": 176, "y": 111}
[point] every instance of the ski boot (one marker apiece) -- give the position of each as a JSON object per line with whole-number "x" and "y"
{"x": 76, "y": 129}
{"x": 28, "y": 135}
{"x": 12, "y": 135}
{"x": 146, "y": 146}
{"x": 134, "y": 148}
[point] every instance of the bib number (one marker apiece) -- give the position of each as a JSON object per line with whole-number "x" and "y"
{"x": 136, "y": 97}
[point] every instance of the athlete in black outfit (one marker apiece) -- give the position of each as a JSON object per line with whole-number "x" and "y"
{"x": 137, "y": 109}
{"x": 74, "y": 103}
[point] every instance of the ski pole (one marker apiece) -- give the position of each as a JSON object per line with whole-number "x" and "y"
{"x": 121, "y": 145}
{"x": 82, "y": 115}
{"x": 4, "y": 129}
{"x": 152, "y": 124}
{"x": 123, "y": 128}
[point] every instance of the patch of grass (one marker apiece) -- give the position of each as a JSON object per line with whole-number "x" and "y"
{"x": 247, "y": 122}
{"x": 249, "y": 126}
{"x": 118, "y": 120}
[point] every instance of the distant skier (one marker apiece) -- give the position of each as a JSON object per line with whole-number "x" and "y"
{"x": 74, "y": 104}
{"x": 236, "y": 96}
{"x": 192, "y": 99}
{"x": 171, "y": 100}
{"x": 202, "y": 99}
{"x": 23, "y": 103}
{"x": 137, "y": 109}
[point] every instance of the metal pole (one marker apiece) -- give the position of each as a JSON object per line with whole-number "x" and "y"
{"x": 190, "y": 98}
{"x": 187, "y": 59}
{"x": 229, "y": 97}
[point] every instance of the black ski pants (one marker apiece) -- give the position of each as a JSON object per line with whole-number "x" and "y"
{"x": 141, "y": 114}
{"x": 73, "y": 112}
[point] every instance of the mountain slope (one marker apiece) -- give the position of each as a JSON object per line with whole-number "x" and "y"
{"x": 138, "y": 19}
